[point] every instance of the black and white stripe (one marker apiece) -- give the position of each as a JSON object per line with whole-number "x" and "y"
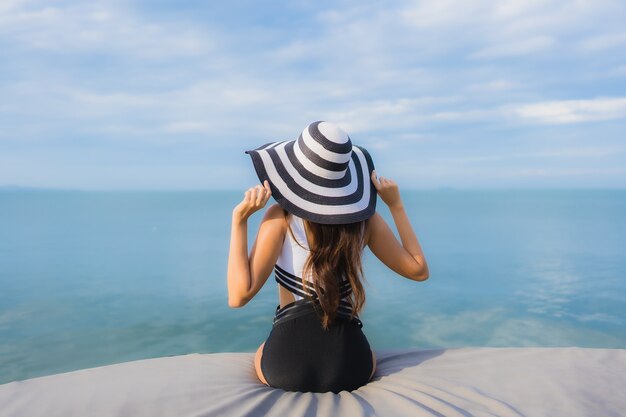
{"x": 295, "y": 285}
{"x": 344, "y": 310}
{"x": 321, "y": 176}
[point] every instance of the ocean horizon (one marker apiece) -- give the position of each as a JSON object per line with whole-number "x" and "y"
{"x": 90, "y": 278}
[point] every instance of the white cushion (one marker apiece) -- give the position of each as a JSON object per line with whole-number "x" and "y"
{"x": 516, "y": 382}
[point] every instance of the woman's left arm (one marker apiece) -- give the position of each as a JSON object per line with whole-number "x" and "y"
{"x": 246, "y": 275}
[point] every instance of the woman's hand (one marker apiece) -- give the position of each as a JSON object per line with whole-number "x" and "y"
{"x": 254, "y": 200}
{"x": 387, "y": 190}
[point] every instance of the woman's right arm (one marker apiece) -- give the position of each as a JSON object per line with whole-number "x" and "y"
{"x": 407, "y": 259}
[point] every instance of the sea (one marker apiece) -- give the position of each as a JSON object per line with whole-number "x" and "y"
{"x": 91, "y": 278}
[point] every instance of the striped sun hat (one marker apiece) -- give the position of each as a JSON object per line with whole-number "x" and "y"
{"x": 321, "y": 176}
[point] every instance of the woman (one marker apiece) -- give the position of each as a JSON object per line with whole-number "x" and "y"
{"x": 313, "y": 239}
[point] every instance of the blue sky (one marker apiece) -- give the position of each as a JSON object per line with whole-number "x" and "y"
{"x": 168, "y": 95}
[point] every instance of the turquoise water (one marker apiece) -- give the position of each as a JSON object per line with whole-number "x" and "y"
{"x": 94, "y": 278}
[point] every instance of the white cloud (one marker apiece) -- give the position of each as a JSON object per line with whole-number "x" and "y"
{"x": 514, "y": 9}
{"x": 213, "y": 106}
{"x": 472, "y": 115}
{"x": 618, "y": 71}
{"x": 511, "y": 28}
{"x": 202, "y": 107}
{"x": 100, "y": 28}
{"x": 562, "y": 153}
{"x": 404, "y": 113}
{"x": 493, "y": 86}
{"x": 435, "y": 14}
{"x": 189, "y": 127}
{"x": 573, "y": 111}
{"x": 605, "y": 41}
{"x": 9, "y": 5}
{"x": 515, "y": 48}
{"x": 395, "y": 114}
{"x": 562, "y": 172}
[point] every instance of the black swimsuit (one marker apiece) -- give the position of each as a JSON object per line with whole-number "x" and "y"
{"x": 299, "y": 355}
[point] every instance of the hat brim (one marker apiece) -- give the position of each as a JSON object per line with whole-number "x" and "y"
{"x": 349, "y": 199}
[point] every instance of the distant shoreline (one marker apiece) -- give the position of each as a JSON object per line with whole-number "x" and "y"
{"x": 18, "y": 188}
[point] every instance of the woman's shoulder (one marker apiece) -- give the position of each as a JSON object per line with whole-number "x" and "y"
{"x": 275, "y": 219}
{"x": 277, "y": 212}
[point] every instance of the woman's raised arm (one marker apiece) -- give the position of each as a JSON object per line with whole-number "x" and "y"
{"x": 407, "y": 259}
{"x": 246, "y": 275}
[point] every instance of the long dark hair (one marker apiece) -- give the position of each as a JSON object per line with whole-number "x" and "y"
{"x": 335, "y": 254}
